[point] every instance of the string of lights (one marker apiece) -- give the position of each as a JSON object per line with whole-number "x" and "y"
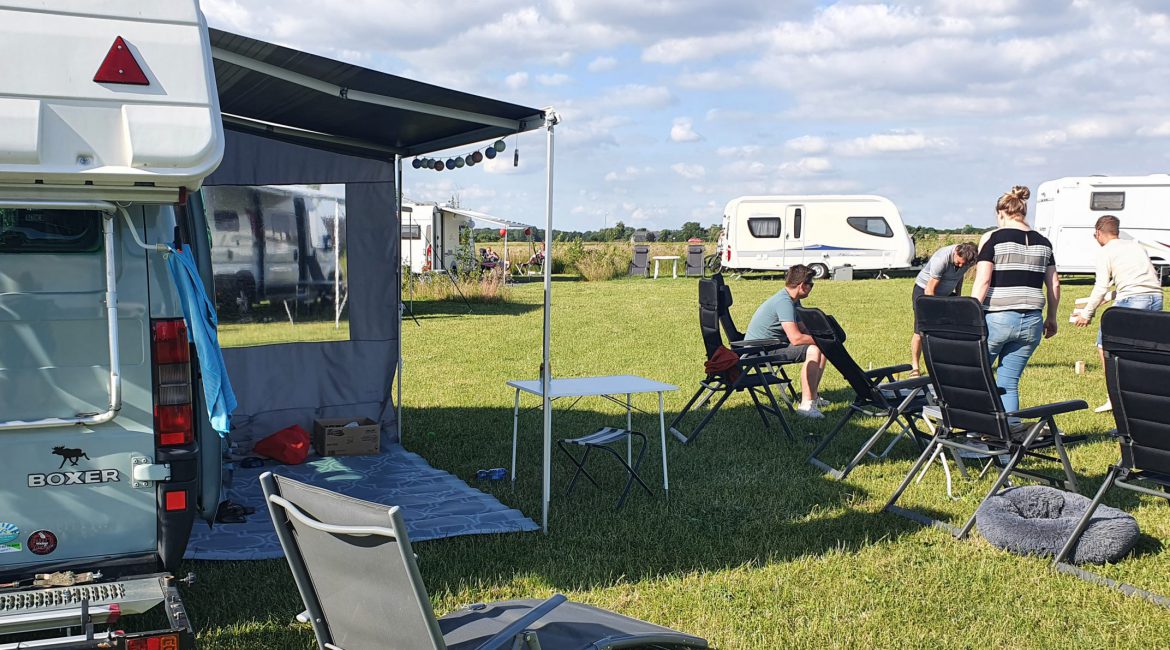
{"x": 466, "y": 160}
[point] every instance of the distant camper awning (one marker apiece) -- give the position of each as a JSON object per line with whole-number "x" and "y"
{"x": 305, "y": 97}
{"x": 489, "y": 219}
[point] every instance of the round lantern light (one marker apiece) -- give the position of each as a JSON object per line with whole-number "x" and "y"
{"x": 459, "y": 162}
{"x": 477, "y": 157}
{"x": 499, "y": 145}
{"x": 416, "y": 163}
{"x": 503, "y": 232}
{"x": 489, "y": 152}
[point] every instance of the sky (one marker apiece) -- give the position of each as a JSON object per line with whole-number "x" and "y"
{"x": 671, "y": 108}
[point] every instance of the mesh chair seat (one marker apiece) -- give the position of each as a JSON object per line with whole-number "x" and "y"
{"x": 600, "y": 440}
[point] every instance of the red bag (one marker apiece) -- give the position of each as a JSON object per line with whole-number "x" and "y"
{"x": 725, "y": 362}
{"x": 289, "y": 445}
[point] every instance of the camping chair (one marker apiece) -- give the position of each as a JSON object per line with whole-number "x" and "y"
{"x": 735, "y": 339}
{"x": 1137, "y": 373}
{"x": 751, "y": 372}
{"x": 640, "y": 265}
{"x": 694, "y": 260}
{"x": 954, "y": 341}
{"x": 355, "y": 570}
{"x": 876, "y": 393}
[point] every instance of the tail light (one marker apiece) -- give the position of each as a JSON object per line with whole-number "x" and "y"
{"x": 162, "y": 642}
{"x": 173, "y": 414}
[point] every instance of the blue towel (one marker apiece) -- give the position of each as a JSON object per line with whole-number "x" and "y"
{"x": 199, "y": 312}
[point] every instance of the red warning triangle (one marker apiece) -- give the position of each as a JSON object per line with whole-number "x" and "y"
{"x": 120, "y": 67}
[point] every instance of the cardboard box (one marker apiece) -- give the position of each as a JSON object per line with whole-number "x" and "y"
{"x": 331, "y": 437}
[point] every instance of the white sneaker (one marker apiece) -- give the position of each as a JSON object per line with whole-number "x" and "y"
{"x": 1104, "y": 408}
{"x": 809, "y": 410}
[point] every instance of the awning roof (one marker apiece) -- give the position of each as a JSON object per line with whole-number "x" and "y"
{"x": 302, "y": 97}
{"x": 496, "y": 221}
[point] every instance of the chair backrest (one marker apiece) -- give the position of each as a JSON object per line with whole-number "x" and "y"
{"x": 709, "y": 314}
{"x": 954, "y": 343}
{"x": 1137, "y": 372}
{"x": 354, "y": 568}
{"x": 640, "y": 265}
{"x": 724, "y": 308}
{"x": 830, "y": 339}
{"x": 695, "y": 259}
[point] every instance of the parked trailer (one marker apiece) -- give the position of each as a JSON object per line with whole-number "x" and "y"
{"x": 430, "y": 236}
{"x": 771, "y": 233}
{"x": 99, "y": 425}
{"x": 1067, "y": 210}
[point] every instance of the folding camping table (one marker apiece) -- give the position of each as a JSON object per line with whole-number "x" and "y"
{"x": 606, "y": 387}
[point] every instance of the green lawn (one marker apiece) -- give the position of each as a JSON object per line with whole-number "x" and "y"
{"x": 755, "y": 549}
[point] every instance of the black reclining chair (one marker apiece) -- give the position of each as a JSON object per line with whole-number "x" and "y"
{"x": 358, "y": 577}
{"x": 735, "y": 339}
{"x": 752, "y": 372}
{"x": 640, "y": 264}
{"x": 877, "y": 393}
{"x": 1137, "y": 372}
{"x": 954, "y": 342}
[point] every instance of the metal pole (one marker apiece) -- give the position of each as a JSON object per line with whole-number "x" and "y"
{"x": 398, "y": 276}
{"x": 545, "y": 369}
{"x": 336, "y": 264}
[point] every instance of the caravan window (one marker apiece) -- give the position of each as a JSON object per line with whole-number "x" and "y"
{"x": 1107, "y": 201}
{"x": 411, "y": 231}
{"x": 227, "y": 221}
{"x": 50, "y": 231}
{"x": 876, "y": 226}
{"x": 797, "y": 217}
{"x": 764, "y": 227}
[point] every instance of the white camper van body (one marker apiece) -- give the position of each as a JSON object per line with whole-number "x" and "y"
{"x": 1067, "y": 210}
{"x": 770, "y": 233}
{"x": 109, "y": 118}
{"x": 430, "y": 236}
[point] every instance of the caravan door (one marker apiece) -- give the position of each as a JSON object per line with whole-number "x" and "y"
{"x": 794, "y": 216}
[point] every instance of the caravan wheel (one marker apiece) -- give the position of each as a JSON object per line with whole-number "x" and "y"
{"x": 820, "y": 271}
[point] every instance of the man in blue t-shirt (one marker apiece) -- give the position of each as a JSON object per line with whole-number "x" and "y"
{"x": 776, "y": 319}
{"x": 941, "y": 276}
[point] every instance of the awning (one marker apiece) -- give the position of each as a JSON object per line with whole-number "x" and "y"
{"x": 487, "y": 218}
{"x": 304, "y": 97}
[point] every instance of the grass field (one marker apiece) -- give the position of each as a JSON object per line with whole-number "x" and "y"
{"x": 755, "y": 549}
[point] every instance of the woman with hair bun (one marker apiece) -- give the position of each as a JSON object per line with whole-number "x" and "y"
{"x": 1015, "y": 278}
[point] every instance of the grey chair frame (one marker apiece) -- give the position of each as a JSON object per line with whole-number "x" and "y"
{"x": 640, "y": 263}
{"x": 954, "y": 342}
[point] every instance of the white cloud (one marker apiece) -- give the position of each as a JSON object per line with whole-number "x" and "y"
{"x": 637, "y": 96}
{"x": 683, "y": 130}
{"x": 807, "y": 144}
{"x": 1155, "y": 130}
{"x": 628, "y": 174}
{"x": 688, "y": 171}
{"x": 516, "y": 80}
{"x": 552, "y": 79}
{"x": 602, "y": 64}
{"x": 896, "y": 142}
{"x": 744, "y": 151}
{"x": 810, "y": 166}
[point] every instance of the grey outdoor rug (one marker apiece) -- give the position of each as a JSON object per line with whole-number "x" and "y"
{"x": 434, "y": 503}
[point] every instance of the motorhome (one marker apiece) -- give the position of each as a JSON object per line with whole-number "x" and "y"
{"x": 1067, "y": 210}
{"x": 430, "y": 236}
{"x": 274, "y": 243}
{"x": 109, "y": 120}
{"x": 770, "y": 233}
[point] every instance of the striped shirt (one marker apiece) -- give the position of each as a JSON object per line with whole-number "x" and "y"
{"x": 1021, "y": 259}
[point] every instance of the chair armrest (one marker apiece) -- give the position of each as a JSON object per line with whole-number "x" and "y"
{"x": 913, "y": 382}
{"x": 1048, "y": 410}
{"x": 888, "y": 371}
{"x": 761, "y": 344}
{"x": 503, "y": 638}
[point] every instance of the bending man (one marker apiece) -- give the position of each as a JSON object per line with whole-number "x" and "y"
{"x": 942, "y": 276}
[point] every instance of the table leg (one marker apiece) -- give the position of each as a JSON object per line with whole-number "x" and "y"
{"x": 674, "y": 269}
{"x": 656, "y": 269}
{"x": 662, "y": 432}
{"x": 515, "y": 433}
{"x": 629, "y": 427}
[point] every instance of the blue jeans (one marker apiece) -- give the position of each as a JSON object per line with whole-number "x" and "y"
{"x": 1012, "y": 337}
{"x": 1146, "y": 301}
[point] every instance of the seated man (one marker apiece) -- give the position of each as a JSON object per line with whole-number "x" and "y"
{"x": 776, "y": 319}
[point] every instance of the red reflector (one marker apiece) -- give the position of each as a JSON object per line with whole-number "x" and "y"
{"x": 120, "y": 67}
{"x": 165, "y": 642}
{"x": 170, "y": 342}
{"x": 115, "y": 613}
{"x": 175, "y": 500}
{"x": 173, "y": 425}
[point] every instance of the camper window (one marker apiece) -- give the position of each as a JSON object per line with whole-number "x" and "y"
{"x": 1107, "y": 201}
{"x": 411, "y": 231}
{"x": 764, "y": 227}
{"x": 227, "y": 221}
{"x": 797, "y": 217}
{"x": 871, "y": 226}
{"x": 50, "y": 231}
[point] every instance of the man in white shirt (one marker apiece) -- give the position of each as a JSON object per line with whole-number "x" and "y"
{"x": 1125, "y": 264}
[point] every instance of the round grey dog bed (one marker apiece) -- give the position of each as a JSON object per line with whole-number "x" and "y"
{"x": 1037, "y": 520}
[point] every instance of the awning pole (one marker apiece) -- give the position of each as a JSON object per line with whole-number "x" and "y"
{"x": 398, "y": 275}
{"x": 545, "y": 369}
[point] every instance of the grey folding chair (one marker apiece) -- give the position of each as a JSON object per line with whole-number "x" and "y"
{"x": 640, "y": 265}
{"x": 359, "y": 579}
{"x": 694, "y": 260}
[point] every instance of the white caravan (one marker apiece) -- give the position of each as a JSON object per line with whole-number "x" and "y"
{"x": 1068, "y": 208}
{"x": 770, "y": 233}
{"x": 430, "y": 236}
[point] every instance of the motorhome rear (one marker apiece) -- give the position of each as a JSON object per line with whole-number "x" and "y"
{"x": 107, "y": 122}
{"x": 768, "y": 233}
{"x": 430, "y": 236}
{"x": 1067, "y": 210}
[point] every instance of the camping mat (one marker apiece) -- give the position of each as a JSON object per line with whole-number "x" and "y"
{"x": 434, "y": 503}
